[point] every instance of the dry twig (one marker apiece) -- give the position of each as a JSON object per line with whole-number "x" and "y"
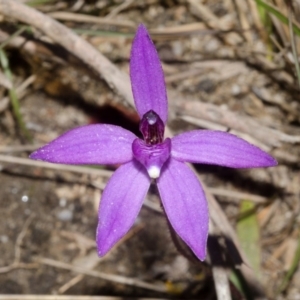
{"x": 213, "y": 113}
{"x": 110, "y": 277}
{"x": 20, "y": 92}
{"x": 68, "y": 16}
{"x": 92, "y": 260}
{"x": 17, "y": 264}
{"x": 115, "y": 11}
{"x": 41, "y": 164}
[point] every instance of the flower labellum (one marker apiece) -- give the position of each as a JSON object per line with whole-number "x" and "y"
{"x": 152, "y": 157}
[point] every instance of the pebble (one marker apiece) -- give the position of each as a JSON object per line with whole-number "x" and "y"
{"x": 4, "y": 239}
{"x": 235, "y": 90}
{"x": 25, "y": 198}
{"x": 65, "y": 215}
{"x": 62, "y": 202}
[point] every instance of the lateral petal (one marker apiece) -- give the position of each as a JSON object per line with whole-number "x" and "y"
{"x": 185, "y": 205}
{"x": 91, "y": 144}
{"x": 147, "y": 78}
{"x": 121, "y": 202}
{"x": 219, "y": 148}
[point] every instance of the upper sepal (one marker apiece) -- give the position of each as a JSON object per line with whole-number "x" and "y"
{"x": 147, "y": 78}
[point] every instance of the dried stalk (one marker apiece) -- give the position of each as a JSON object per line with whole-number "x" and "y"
{"x": 110, "y": 277}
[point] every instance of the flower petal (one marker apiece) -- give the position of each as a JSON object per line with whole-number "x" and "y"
{"x": 92, "y": 144}
{"x": 219, "y": 148}
{"x": 121, "y": 202}
{"x": 147, "y": 78}
{"x": 185, "y": 205}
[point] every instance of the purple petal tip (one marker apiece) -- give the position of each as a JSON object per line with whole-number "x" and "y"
{"x": 142, "y": 30}
{"x": 39, "y": 154}
{"x": 147, "y": 78}
{"x": 273, "y": 162}
{"x": 33, "y": 155}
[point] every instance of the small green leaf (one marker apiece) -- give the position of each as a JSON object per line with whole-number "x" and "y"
{"x": 91, "y": 32}
{"x": 17, "y": 33}
{"x": 249, "y": 235}
{"x": 274, "y": 11}
{"x": 39, "y": 2}
{"x": 4, "y": 62}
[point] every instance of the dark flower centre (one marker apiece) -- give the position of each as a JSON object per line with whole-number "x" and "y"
{"x": 152, "y": 128}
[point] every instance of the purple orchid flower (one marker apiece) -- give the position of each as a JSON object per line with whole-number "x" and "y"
{"x": 153, "y": 157}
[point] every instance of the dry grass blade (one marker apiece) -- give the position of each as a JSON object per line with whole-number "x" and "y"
{"x": 243, "y": 12}
{"x": 115, "y": 278}
{"x": 219, "y": 271}
{"x": 35, "y": 163}
{"x": 212, "y": 21}
{"x": 4, "y": 81}
{"x": 215, "y": 126}
{"x": 119, "y": 8}
{"x": 291, "y": 271}
{"x": 183, "y": 75}
{"x": 221, "y": 283}
{"x": 16, "y": 34}
{"x": 181, "y": 30}
{"x": 19, "y": 148}
{"x": 213, "y": 113}
{"x": 237, "y": 195}
{"x": 68, "y": 16}
{"x": 21, "y": 237}
{"x": 19, "y": 90}
{"x": 17, "y": 264}
{"x": 91, "y": 260}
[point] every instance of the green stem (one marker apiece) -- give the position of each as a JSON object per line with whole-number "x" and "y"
{"x": 293, "y": 44}
{"x": 13, "y": 95}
